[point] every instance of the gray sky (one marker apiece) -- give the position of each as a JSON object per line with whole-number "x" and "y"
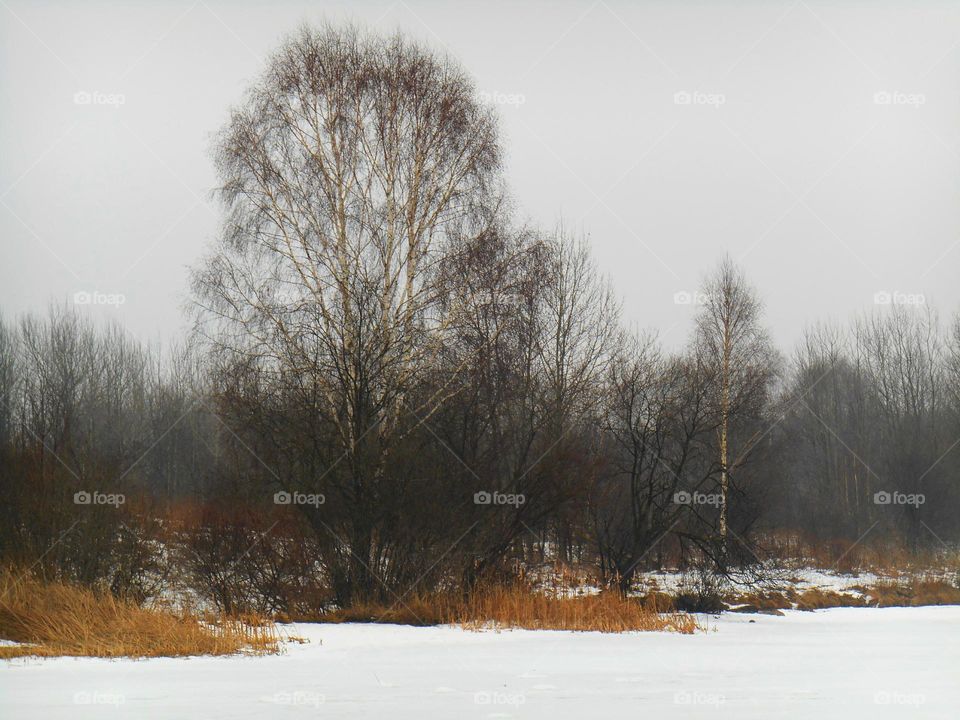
{"x": 815, "y": 142}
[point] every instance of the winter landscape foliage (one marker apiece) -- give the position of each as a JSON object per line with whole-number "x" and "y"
{"x": 400, "y": 403}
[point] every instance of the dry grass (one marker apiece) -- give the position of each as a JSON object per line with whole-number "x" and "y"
{"x": 519, "y": 607}
{"x": 891, "y": 557}
{"x": 915, "y": 594}
{"x": 604, "y": 612}
{"x": 660, "y": 602}
{"x": 766, "y": 600}
{"x": 53, "y": 619}
{"x": 818, "y": 599}
{"x": 903, "y": 593}
{"x": 412, "y": 610}
{"x": 559, "y": 579}
{"x": 906, "y": 591}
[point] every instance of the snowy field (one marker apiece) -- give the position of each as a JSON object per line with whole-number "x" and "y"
{"x": 842, "y": 663}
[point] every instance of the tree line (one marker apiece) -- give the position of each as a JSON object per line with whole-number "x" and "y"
{"x": 394, "y": 386}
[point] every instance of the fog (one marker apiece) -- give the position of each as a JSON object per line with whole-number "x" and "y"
{"x": 817, "y": 145}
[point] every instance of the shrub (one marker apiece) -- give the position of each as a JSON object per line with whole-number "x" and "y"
{"x": 701, "y": 590}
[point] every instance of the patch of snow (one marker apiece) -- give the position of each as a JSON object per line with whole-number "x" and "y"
{"x": 832, "y": 664}
{"x": 807, "y": 578}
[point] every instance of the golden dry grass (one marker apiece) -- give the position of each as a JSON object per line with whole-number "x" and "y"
{"x": 418, "y": 610}
{"x": 519, "y": 607}
{"x": 911, "y": 594}
{"x": 906, "y": 592}
{"x": 604, "y": 612}
{"x": 53, "y": 619}
{"x": 819, "y": 598}
{"x": 766, "y": 599}
{"x": 657, "y": 601}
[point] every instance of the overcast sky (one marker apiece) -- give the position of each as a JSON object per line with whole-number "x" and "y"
{"x": 815, "y": 142}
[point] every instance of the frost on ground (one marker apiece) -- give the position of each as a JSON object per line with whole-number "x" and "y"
{"x": 841, "y": 663}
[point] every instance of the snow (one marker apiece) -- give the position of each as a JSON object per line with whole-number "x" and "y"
{"x": 839, "y": 663}
{"x": 838, "y": 582}
{"x": 805, "y": 578}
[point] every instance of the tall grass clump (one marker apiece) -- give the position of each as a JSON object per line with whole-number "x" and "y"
{"x": 56, "y": 618}
{"x": 517, "y": 606}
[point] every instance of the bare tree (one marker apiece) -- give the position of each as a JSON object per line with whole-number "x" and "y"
{"x": 902, "y": 358}
{"x": 733, "y": 349}
{"x": 953, "y": 364}
{"x": 344, "y": 176}
{"x": 830, "y": 409}
{"x": 656, "y": 418}
{"x": 581, "y": 329}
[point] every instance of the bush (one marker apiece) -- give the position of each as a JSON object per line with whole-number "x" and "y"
{"x": 241, "y": 560}
{"x": 701, "y": 590}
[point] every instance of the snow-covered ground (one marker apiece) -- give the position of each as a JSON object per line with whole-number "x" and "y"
{"x": 672, "y": 581}
{"x": 800, "y": 579}
{"x": 841, "y": 663}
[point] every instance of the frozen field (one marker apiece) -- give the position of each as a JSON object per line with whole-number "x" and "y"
{"x": 843, "y": 663}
